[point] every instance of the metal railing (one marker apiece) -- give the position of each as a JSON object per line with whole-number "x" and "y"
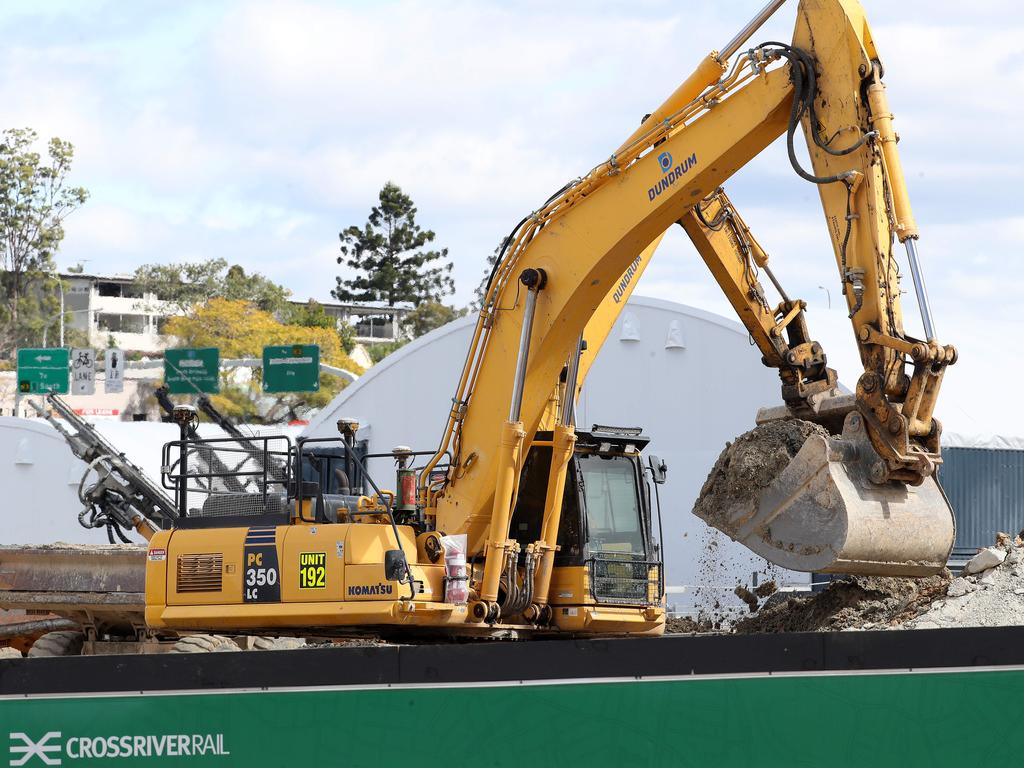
{"x": 205, "y": 475}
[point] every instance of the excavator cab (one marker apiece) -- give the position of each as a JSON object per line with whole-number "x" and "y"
{"x": 609, "y": 549}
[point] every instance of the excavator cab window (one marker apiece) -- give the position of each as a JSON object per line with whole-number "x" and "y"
{"x": 612, "y": 503}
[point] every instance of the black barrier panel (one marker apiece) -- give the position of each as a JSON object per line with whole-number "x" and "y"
{"x": 493, "y": 661}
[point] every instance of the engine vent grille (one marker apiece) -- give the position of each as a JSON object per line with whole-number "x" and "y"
{"x": 201, "y": 572}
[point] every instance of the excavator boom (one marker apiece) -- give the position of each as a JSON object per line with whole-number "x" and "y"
{"x": 865, "y": 499}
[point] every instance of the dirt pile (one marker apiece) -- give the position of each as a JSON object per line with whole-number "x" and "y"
{"x": 685, "y": 625}
{"x": 990, "y": 592}
{"x": 855, "y": 603}
{"x": 749, "y": 465}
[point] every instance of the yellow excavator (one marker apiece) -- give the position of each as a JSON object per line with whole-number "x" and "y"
{"x": 518, "y": 521}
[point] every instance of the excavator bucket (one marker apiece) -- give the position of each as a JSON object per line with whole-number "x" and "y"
{"x": 822, "y": 513}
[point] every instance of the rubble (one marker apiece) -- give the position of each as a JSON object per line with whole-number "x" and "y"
{"x": 991, "y": 596}
{"x": 959, "y": 587}
{"x": 987, "y": 558}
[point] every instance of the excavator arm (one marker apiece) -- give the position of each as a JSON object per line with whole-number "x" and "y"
{"x": 780, "y": 331}
{"x": 562, "y": 263}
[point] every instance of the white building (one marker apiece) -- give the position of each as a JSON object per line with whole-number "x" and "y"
{"x": 689, "y": 378}
{"x": 106, "y": 307}
{"x": 372, "y": 322}
{"x": 113, "y": 306}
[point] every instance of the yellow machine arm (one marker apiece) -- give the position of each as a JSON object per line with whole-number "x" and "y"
{"x": 564, "y": 261}
{"x": 735, "y": 257}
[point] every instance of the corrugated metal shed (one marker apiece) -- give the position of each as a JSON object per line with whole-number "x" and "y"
{"x": 986, "y": 488}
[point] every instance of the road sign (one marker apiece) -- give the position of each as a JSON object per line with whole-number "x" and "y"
{"x": 83, "y": 371}
{"x": 291, "y": 368}
{"x": 42, "y": 370}
{"x": 113, "y": 367}
{"x": 189, "y": 371}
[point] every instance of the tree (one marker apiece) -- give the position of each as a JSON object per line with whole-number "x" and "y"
{"x": 188, "y": 284}
{"x": 239, "y": 329}
{"x": 34, "y": 201}
{"x": 388, "y": 259}
{"x": 428, "y": 316}
{"x": 312, "y": 314}
{"x": 379, "y": 351}
{"x": 481, "y": 289}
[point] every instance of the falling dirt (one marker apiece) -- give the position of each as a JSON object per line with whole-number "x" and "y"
{"x": 748, "y": 466}
{"x": 767, "y": 589}
{"x": 747, "y": 597}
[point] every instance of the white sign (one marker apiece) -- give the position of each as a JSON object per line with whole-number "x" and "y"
{"x": 114, "y": 367}
{"x": 83, "y": 371}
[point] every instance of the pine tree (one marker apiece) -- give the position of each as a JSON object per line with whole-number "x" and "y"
{"x": 387, "y": 256}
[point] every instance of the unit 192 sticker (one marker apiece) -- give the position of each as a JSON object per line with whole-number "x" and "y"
{"x": 313, "y": 570}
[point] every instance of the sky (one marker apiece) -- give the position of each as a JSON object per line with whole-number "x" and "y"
{"x": 256, "y": 131}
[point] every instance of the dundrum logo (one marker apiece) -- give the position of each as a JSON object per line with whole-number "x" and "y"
{"x": 51, "y": 750}
{"x": 672, "y": 173}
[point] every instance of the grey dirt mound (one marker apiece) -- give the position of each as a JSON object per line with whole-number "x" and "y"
{"x": 749, "y": 465}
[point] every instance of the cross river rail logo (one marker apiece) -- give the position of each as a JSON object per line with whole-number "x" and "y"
{"x": 672, "y": 173}
{"x": 53, "y": 748}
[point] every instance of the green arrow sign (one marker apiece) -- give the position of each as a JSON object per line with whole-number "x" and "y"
{"x": 291, "y": 368}
{"x": 188, "y": 371}
{"x": 42, "y": 370}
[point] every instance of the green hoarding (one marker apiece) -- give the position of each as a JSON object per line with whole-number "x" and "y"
{"x": 189, "y": 371}
{"x": 42, "y": 370}
{"x": 291, "y": 368}
{"x": 785, "y": 720}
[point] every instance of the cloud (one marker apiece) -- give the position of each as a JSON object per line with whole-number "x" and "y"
{"x": 256, "y": 131}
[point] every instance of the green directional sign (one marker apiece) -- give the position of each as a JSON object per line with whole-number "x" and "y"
{"x": 42, "y": 370}
{"x": 291, "y": 368}
{"x": 189, "y": 371}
